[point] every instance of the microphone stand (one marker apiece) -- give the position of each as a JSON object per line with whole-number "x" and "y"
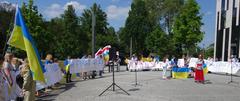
{"x": 231, "y": 76}
{"x": 111, "y": 63}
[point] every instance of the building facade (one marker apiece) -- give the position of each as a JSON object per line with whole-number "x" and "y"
{"x": 227, "y": 30}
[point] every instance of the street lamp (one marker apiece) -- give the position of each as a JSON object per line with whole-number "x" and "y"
{"x": 93, "y": 32}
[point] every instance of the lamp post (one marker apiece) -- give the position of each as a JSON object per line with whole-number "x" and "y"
{"x": 93, "y": 32}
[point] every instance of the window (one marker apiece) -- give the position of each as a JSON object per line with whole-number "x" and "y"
{"x": 227, "y": 4}
{"x": 223, "y": 4}
{"x": 217, "y": 20}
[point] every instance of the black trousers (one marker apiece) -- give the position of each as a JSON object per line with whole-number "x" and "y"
{"x": 19, "y": 99}
{"x": 68, "y": 77}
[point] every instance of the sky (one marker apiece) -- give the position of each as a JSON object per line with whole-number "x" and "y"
{"x": 117, "y": 12}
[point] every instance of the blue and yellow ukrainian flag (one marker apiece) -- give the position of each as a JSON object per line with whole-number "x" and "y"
{"x": 205, "y": 69}
{"x": 21, "y": 38}
{"x": 180, "y": 73}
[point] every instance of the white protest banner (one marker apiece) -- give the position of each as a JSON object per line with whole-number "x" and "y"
{"x": 157, "y": 65}
{"x": 224, "y": 67}
{"x": 180, "y": 63}
{"x": 52, "y": 75}
{"x": 86, "y": 65}
{"x": 193, "y": 62}
{"x": 140, "y": 65}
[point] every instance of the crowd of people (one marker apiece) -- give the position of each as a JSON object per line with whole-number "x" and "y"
{"x": 197, "y": 72}
{"x": 17, "y": 84}
{"x": 16, "y": 81}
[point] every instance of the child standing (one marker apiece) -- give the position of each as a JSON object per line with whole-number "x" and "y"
{"x": 164, "y": 65}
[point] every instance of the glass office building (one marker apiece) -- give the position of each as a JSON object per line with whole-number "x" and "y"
{"x": 227, "y": 30}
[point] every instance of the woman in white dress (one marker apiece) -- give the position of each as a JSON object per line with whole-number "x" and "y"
{"x": 164, "y": 65}
{"x": 13, "y": 90}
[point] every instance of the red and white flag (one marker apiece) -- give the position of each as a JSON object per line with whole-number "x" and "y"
{"x": 101, "y": 51}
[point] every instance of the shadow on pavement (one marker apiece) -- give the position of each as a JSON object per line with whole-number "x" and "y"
{"x": 53, "y": 94}
{"x": 134, "y": 89}
{"x": 207, "y": 82}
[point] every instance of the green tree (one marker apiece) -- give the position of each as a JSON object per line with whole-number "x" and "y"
{"x": 123, "y": 45}
{"x": 69, "y": 38}
{"x": 55, "y": 36}
{"x": 171, "y": 9}
{"x": 163, "y": 12}
{"x": 36, "y": 27}
{"x": 187, "y": 27}
{"x": 104, "y": 35}
{"x": 137, "y": 26}
{"x": 6, "y": 23}
{"x": 157, "y": 42}
{"x": 209, "y": 51}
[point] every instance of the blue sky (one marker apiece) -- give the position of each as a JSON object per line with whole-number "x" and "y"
{"x": 117, "y": 11}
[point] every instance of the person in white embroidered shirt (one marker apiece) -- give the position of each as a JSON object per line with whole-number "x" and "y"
{"x": 164, "y": 65}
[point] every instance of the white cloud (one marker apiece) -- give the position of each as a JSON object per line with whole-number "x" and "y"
{"x": 5, "y": 2}
{"x": 78, "y": 7}
{"x": 115, "y": 13}
{"x": 55, "y": 10}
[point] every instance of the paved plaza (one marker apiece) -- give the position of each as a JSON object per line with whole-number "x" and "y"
{"x": 152, "y": 88}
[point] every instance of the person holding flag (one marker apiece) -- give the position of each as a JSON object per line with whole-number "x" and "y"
{"x": 21, "y": 38}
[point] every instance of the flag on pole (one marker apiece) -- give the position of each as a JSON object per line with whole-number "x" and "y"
{"x": 99, "y": 52}
{"x": 205, "y": 69}
{"x": 104, "y": 51}
{"x": 21, "y": 38}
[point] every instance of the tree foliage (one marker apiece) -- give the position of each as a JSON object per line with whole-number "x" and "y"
{"x": 187, "y": 26}
{"x": 70, "y": 38}
{"x": 104, "y": 35}
{"x": 156, "y": 26}
{"x": 137, "y": 26}
{"x": 157, "y": 41}
{"x": 6, "y": 24}
{"x": 36, "y": 27}
{"x": 208, "y": 52}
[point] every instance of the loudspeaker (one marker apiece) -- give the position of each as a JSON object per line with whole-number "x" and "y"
{"x": 112, "y": 54}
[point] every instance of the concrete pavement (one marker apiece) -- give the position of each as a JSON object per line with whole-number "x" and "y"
{"x": 152, "y": 88}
